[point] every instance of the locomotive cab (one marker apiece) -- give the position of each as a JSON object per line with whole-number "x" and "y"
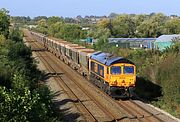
{"x": 122, "y": 79}
{"x": 116, "y": 75}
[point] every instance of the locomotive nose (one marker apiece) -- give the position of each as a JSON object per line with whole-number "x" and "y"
{"x": 115, "y": 83}
{"x": 122, "y": 81}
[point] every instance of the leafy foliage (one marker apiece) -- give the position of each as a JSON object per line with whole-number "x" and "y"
{"x": 172, "y": 26}
{"x": 22, "y": 97}
{"x": 123, "y": 26}
{"x": 161, "y": 68}
{"x": 4, "y": 22}
{"x": 15, "y": 35}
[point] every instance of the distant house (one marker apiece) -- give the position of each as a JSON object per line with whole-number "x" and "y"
{"x": 134, "y": 43}
{"x": 165, "y": 41}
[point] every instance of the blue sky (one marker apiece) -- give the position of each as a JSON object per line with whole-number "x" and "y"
{"x": 72, "y": 8}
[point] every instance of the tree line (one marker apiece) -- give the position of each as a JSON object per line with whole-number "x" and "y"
{"x": 117, "y": 26}
{"x": 114, "y": 26}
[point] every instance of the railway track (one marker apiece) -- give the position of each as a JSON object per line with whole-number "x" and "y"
{"x": 151, "y": 115}
{"x": 89, "y": 105}
{"x": 57, "y": 76}
{"x": 91, "y": 108}
{"x": 89, "y": 115}
{"x": 138, "y": 112}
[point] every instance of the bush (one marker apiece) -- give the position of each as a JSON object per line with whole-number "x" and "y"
{"x": 162, "y": 68}
{"x": 22, "y": 97}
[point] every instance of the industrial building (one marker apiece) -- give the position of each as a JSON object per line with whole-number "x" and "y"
{"x": 134, "y": 43}
{"x": 165, "y": 41}
{"x": 159, "y": 43}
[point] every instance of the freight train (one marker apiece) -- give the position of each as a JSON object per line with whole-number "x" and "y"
{"x": 114, "y": 75}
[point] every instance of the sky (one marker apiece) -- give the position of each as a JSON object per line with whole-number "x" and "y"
{"x": 72, "y": 8}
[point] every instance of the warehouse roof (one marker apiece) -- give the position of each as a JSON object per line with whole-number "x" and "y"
{"x": 108, "y": 59}
{"x": 115, "y": 40}
{"x": 168, "y": 38}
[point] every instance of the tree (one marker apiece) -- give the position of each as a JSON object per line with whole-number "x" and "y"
{"x": 55, "y": 28}
{"x": 123, "y": 26}
{"x": 69, "y": 20}
{"x": 102, "y": 44}
{"x": 146, "y": 28}
{"x": 42, "y": 26}
{"x": 172, "y": 26}
{"x": 138, "y": 19}
{"x": 4, "y": 22}
{"x": 152, "y": 27}
{"x": 15, "y": 35}
{"x": 104, "y": 23}
{"x": 53, "y": 19}
{"x": 70, "y": 31}
{"x": 113, "y": 15}
{"x": 100, "y": 32}
{"x": 102, "y": 35}
{"x": 21, "y": 20}
{"x": 2, "y": 38}
{"x": 38, "y": 18}
{"x": 22, "y": 97}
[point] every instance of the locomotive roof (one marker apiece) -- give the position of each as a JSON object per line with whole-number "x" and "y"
{"x": 108, "y": 59}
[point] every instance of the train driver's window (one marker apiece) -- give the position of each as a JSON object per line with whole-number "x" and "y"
{"x": 115, "y": 70}
{"x": 128, "y": 70}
